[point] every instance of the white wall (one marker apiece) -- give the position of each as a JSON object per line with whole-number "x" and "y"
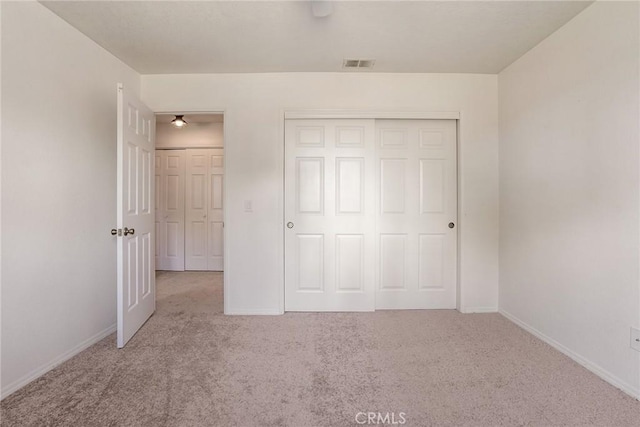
{"x": 194, "y": 135}
{"x": 569, "y": 190}
{"x": 58, "y": 190}
{"x": 254, "y": 106}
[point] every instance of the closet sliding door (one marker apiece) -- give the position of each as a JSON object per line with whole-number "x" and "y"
{"x": 170, "y": 183}
{"x": 370, "y": 214}
{"x": 204, "y": 209}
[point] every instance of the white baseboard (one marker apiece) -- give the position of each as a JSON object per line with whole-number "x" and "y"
{"x": 468, "y": 310}
{"x": 253, "y": 313}
{"x": 596, "y": 369}
{"x": 40, "y": 371}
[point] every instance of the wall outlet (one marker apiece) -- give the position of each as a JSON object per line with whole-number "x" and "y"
{"x": 635, "y": 339}
{"x": 248, "y": 206}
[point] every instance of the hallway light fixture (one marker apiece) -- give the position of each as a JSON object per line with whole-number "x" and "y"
{"x": 179, "y": 121}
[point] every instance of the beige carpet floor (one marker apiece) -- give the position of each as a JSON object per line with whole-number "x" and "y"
{"x": 192, "y": 366}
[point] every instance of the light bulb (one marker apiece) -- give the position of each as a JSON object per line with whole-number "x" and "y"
{"x": 178, "y": 121}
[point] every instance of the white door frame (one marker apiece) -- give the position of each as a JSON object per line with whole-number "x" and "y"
{"x": 375, "y": 114}
{"x": 227, "y": 264}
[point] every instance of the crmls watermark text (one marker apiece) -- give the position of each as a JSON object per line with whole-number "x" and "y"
{"x": 381, "y": 418}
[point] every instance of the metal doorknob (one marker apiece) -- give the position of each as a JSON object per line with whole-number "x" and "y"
{"x": 451, "y": 225}
{"x": 114, "y": 232}
{"x": 289, "y": 225}
{"x": 128, "y": 231}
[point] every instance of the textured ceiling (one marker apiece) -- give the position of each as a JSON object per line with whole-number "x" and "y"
{"x": 157, "y": 37}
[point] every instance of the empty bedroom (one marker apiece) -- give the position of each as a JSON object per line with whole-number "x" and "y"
{"x": 320, "y": 213}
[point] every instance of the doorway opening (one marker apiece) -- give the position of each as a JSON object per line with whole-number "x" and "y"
{"x": 189, "y": 189}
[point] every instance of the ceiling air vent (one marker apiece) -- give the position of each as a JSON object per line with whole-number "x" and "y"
{"x": 358, "y": 64}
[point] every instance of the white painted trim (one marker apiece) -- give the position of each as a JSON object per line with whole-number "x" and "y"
{"x": 187, "y": 112}
{"x": 459, "y": 216}
{"x": 591, "y": 366}
{"x": 1, "y": 394}
{"x": 469, "y": 310}
{"x": 638, "y": 260}
{"x": 348, "y": 114}
{"x": 253, "y": 313}
{"x": 43, "y": 369}
{"x": 226, "y": 251}
{"x": 281, "y": 212}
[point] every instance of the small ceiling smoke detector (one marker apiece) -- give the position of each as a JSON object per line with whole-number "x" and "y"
{"x": 321, "y": 8}
{"x": 358, "y": 63}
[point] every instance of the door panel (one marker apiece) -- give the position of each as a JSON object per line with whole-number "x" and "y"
{"x": 136, "y": 197}
{"x": 329, "y": 250}
{"x": 350, "y": 263}
{"x": 196, "y": 212}
{"x": 417, "y": 198}
{"x": 204, "y": 227}
{"x": 393, "y": 185}
{"x": 170, "y": 214}
{"x": 310, "y": 251}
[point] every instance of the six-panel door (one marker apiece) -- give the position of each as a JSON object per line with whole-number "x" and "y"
{"x": 204, "y": 210}
{"x": 170, "y": 184}
{"x": 329, "y": 193}
{"x": 136, "y": 299}
{"x": 367, "y": 212}
{"x": 416, "y": 201}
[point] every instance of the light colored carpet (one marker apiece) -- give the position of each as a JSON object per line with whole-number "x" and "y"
{"x": 192, "y": 366}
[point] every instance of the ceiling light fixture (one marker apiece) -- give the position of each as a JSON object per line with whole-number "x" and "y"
{"x": 179, "y": 122}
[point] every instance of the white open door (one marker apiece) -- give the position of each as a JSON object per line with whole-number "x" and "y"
{"x": 135, "y": 216}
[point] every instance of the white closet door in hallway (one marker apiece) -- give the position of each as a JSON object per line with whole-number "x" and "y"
{"x": 416, "y": 228}
{"x": 170, "y": 185}
{"x": 330, "y": 214}
{"x": 204, "y": 210}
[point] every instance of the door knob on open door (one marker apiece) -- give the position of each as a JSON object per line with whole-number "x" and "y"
{"x": 128, "y": 231}
{"x": 451, "y": 225}
{"x": 289, "y": 225}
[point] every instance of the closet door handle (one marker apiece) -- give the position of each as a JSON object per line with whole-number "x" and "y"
{"x": 128, "y": 231}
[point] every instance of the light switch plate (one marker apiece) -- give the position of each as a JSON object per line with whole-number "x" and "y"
{"x": 248, "y": 206}
{"x": 635, "y": 339}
